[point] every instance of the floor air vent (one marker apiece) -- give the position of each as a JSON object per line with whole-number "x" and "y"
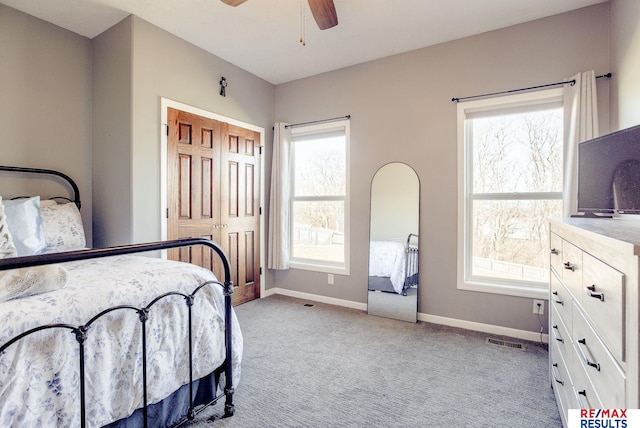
{"x": 504, "y": 343}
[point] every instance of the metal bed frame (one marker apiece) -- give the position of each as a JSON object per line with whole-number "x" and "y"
{"x": 81, "y": 331}
{"x": 69, "y": 180}
{"x": 411, "y": 263}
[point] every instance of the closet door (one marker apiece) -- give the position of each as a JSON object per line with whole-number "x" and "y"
{"x": 193, "y": 155}
{"x": 240, "y": 214}
{"x": 214, "y": 192}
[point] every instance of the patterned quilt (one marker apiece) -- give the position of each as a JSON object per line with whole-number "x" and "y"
{"x": 39, "y": 375}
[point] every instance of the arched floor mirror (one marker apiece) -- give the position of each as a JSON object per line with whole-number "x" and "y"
{"x": 394, "y": 243}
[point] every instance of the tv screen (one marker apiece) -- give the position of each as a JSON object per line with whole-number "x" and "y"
{"x": 609, "y": 173}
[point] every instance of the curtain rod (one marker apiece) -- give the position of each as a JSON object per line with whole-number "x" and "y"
{"x": 319, "y": 121}
{"x": 571, "y": 82}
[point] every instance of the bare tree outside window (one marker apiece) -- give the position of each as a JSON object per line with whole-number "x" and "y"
{"x": 318, "y": 204}
{"x": 516, "y": 186}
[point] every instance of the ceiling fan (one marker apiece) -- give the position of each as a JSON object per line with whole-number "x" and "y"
{"x": 324, "y": 11}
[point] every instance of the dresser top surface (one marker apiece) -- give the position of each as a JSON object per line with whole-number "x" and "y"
{"x": 618, "y": 228}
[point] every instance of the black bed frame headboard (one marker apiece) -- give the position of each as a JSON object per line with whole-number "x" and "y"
{"x": 74, "y": 186}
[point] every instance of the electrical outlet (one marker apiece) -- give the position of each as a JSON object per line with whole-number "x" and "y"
{"x": 330, "y": 278}
{"x": 538, "y": 307}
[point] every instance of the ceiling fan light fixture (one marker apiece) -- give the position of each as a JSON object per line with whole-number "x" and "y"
{"x": 324, "y": 12}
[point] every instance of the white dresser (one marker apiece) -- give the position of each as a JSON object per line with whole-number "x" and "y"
{"x": 593, "y": 313}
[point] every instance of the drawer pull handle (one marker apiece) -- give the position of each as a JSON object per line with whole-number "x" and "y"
{"x": 555, "y": 336}
{"x": 583, "y": 393}
{"x": 555, "y": 366}
{"x": 591, "y": 291}
{"x": 584, "y": 356}
{"x": 554, "y": 251}
{"x": 569, "y": 266}
{"x": 560, "y": 302}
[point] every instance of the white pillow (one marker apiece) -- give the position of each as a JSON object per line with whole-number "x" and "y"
{"x": 47, "y": 202}
{"x": 25, "y": 282}
{"x": 7, "y": 249}
{"x": 63, "y": 228}
{"x": 25, "y": 225}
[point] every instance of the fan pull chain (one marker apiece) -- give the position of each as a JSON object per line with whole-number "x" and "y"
{"x": 303, "y": 41}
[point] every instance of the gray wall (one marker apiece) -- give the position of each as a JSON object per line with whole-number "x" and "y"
{"x": 166, "y": 66}
{"x": 112, "y": 128}
{"x": 136, "y": 65}
{"x": 45, "y": 105}
{"x": 625, "y": 63}
{"x": 402, "y": 111}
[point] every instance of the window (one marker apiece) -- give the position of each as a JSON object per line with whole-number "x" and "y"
{"x": 320, "y": 197}
{"x": 510, "y": 160}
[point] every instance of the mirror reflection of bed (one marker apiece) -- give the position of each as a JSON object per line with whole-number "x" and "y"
{"x": 394, "y": 243}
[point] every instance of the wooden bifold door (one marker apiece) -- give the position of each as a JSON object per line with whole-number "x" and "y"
{"x": 214, "y": 192}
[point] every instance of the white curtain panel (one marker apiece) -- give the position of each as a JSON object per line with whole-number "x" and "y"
{"x": 279, "y": 210}
{"x": 581, "y": 124}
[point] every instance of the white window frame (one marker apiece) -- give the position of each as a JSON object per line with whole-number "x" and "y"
{"x": 465, "y": 177}
{"x": 315, "y": 265}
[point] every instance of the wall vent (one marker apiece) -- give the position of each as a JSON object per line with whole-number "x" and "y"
{"x": 504, "y": 343}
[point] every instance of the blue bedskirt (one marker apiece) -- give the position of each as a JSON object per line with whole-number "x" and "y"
{"x": 172, "y": 409}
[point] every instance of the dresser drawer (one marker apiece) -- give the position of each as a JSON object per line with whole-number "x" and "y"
{"x": 605, "y": 374}
{"x": 561, "y": 381}
{"x": 560, "y": 335}
{"x": 560, "y": 300}
{"x": 583, "y": 391}
{"x": 572, "y": 266}
{"x": 603, "y": 302}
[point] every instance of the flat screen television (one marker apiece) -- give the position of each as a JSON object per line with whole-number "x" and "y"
{"x": 609, "y": 173}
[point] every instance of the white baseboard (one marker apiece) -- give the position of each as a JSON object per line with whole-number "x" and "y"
{"x": 485, "y": 328}
{"x": 316, "y": 298}
{"x": 434, "y": 319}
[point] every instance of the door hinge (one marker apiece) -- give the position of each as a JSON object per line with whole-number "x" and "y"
{"x": 167, "y": 125}
{"x": 260, "y": 210}
{"x": 167, "y": 214}
{"x": 260, "y": 270}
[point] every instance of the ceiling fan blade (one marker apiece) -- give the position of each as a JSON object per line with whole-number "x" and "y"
{"x": 233, "y": 2}
{"x": 324, "y": 12}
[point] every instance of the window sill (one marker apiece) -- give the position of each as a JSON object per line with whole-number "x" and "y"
{"x": 532, "y": 292}
{"x": 315, "y": 267}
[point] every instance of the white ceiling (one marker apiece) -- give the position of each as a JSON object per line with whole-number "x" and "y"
{"x": 262, "y": 36}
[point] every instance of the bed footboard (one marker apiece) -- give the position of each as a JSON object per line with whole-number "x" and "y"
{"x": 411, "y": 262}
{"x": 80, "y": 331}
